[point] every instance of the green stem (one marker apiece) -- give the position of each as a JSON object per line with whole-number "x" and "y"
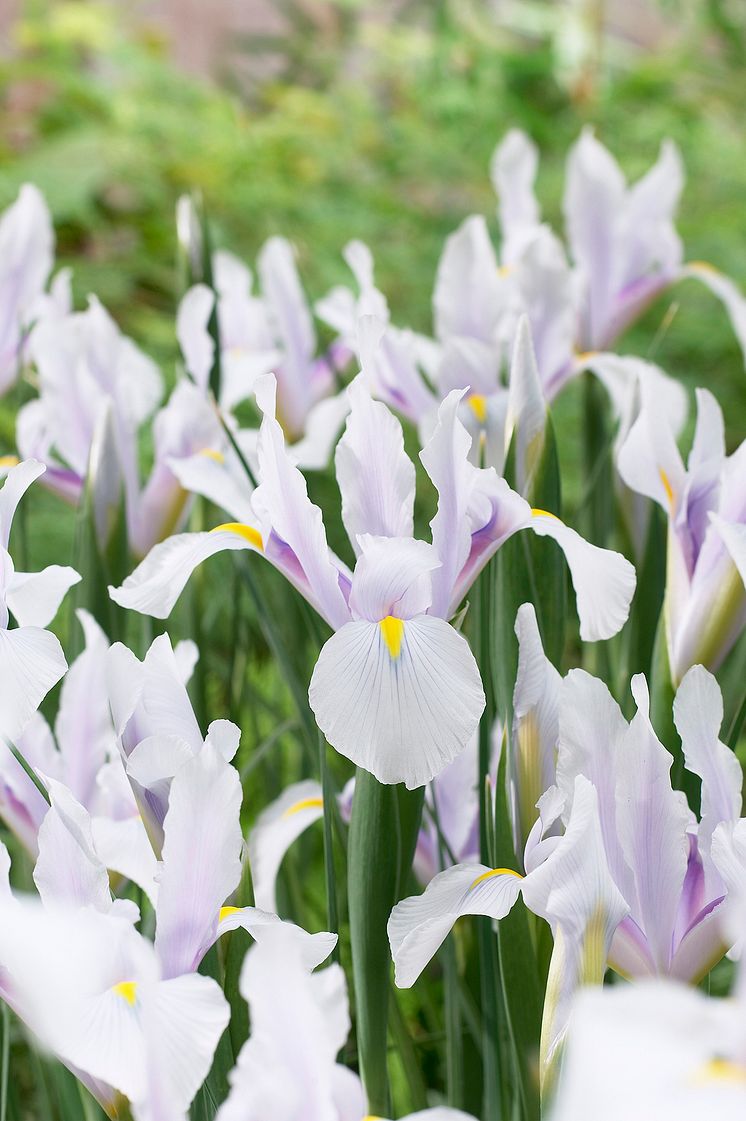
{"x": 377, "y": 869}
{"x": 329, "y": 872}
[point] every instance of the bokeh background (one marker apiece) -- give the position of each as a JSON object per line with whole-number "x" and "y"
{"x": 331, "y": 119}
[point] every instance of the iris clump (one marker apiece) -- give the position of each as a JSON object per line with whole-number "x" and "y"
{"x": 386, "y": 776}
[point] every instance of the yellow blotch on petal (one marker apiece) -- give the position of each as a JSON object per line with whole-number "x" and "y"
{"x": 667, "y": 488}
{"x": 703, "y": 266}
{"x": 127, "y": 990}
{"x": 210, "y": 453}
{"x": 392, "y": 630}
{"x": 9, "y": 461}
{"x": 585, "y": 356}
{"x": 225, "y": 912}
{"x": 537, "y": 513}
{"x": 494, "y": 872}
{"x": 304, "y": 804}
{"x": 478, "y": 404}
{"x": 253, "y": 536}
{"x": 721, "y": 1070}
{"x": 504, "y": 270}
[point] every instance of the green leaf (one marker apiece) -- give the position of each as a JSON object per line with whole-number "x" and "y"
{"x": 383, "y": 834}
{"x": 518, "y": 966}
{"x": 530, "y": 569}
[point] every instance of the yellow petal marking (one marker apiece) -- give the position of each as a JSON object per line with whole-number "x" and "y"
{"x": 720, "y": 1070}
{"x": 253, "y": 536}
{"x": 478, "y": 404}
{"x": 392, "y": 630}
{"x": 226, "y": 911}
{"x": 504, "y": 270}
{"x": 585, "y": 356}
{"x": 495, "y": 872}
{"x": 210, "y": 453}
{"x": 9, "y": 461}
{"x": 537, "y": 513}
{"x": 304, "y": 804}
{"x": 703, "y": 266}
{"x": 668, "y": 488}
{"x": 127, "y": 990}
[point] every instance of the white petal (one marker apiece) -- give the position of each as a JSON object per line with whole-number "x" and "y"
{"x": 281, "y": 823}
{"x": 183, "y": 1020}
{"x": 375, "y": 475}
{"x": 83, "y": 727}
{"x": 574, "y": 891}
{"x": 201, "y": 859}
{"x": 123, "y": 847}
{"x": 733, "y": 535}
{"x": 652, "y": 821}
{"x": 17, "y": 482}
{"x": 419, "y": 925}
{"x": 723, "y": 287}
{"x": 224, "y": 736}
{"x": 313, "y": 949}
{"x": 192, "y": 331}
{"x": 535, "y": 721}
{"x": 31, "y": 662}
{"x": 298, "y": 1023}
{"x": 698, "y": 715}
{"x": 392, "y": 577}
{"x": 282, "y": 502}
{"x": 158, "y": 581}
{"x": 604, "y": 581}
{"x": 466, "y": 300}
{"x": 323, "y": 423}
{"x": 513, "y": 172}
{"x": 35, "y": 597}
{"x": 401, "y": 716}
{"x": 68, "y": 870}
{"x": 527, "y": 410}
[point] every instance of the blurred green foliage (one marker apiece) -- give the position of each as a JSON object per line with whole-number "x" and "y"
{"x": 377, "y": 131}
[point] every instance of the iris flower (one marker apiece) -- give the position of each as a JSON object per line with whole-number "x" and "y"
{"x": 271, "y": 332}
{"x": 288, "y": 1068}
{"x": 26, "y": 259}
{"x": 705, "y": 605}
{"x": 634, "y": 876}
{"x": 31, "y": 658}
{"x": 657, "y": 1052}
{"x": 396, "y": 688}
{"x": 82, "y": 754}
{"x": 97, "y": 391}
{"x": 622, "y": 239}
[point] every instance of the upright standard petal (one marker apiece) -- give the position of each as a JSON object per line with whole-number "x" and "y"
{"x": 467, "y": 298}
{"x": 376, "y": 477}
{"x": 652, "y": 820}
{"x": 513, "y": 172}
{"x": 698, "y": 715}
{"x": 527, "y": 411}
{"x": 282, "y": 502}
{"x": 201, "y": 859}
{"x": 195, "y": 340}
{"x": 535, "y": 737}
